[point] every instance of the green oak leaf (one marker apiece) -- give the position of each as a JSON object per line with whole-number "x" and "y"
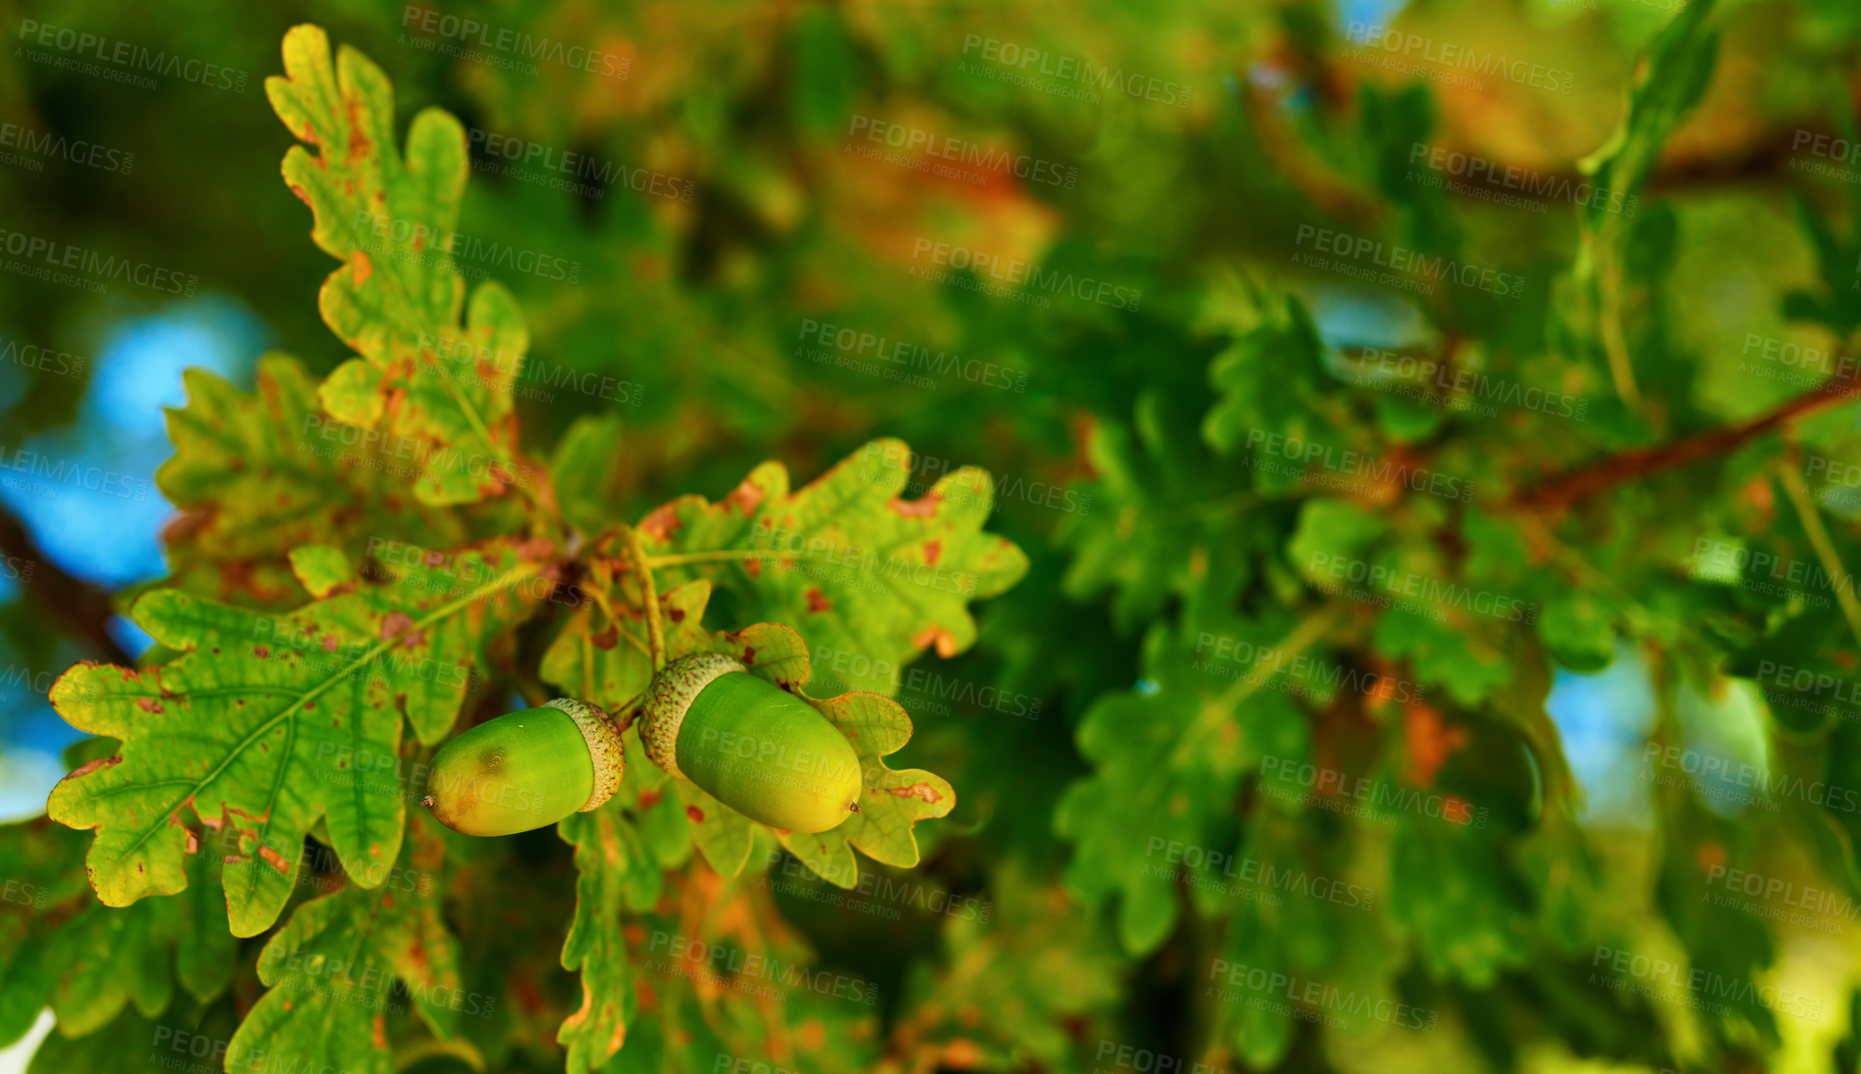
{"x": 88, "y": 961}
{"x": 331, "y": 971}
{"x": 1017, "y": 967}
{"x": 1163, "y": 518}
{"x": 611, "y": 865}
{"x": 1168, "y": 761}
{"x": 262, "y": 473}
{"x": 263, "y": 720}
{"x": 1468, "y": 911}
{"x": 860, "y": 571}
{"x": 392, "y": 219}
{"x": 1271, "y": 380}
{"x": 41, "y": 877}
{"x": 585, "y": 470}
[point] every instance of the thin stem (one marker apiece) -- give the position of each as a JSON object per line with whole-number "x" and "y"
{"x": 1569, "y": 487}
{"x": 1811, "y": 517}
{"x": 655, "y": 627}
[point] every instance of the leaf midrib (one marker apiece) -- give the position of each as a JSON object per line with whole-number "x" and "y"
{"x": 503, "y": 581}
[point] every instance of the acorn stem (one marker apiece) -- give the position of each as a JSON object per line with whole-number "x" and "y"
{"x": 655, "y": 627}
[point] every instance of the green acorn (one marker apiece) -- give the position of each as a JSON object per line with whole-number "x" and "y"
{"x": 526, "y": 769}
{"x": 754, "y": 746}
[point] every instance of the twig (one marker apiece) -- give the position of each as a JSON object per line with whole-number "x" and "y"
{"x": 84, "y": 609}
{"x": 655, "y": 628}
{"x": 1571, "y": 486}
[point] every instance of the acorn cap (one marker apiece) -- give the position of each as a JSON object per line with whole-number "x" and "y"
{"x": 605, "y": 748}
{"x": 670, "y": 696}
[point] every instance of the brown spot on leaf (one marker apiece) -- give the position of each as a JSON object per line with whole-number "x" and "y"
{"x": 938, "y": 636}
{"x": 395, "y": 625}
{"x": 661, "y": 524}
{"x": 92, "y": 766}
{"x": 649, "y": 799}
{"x": 533, "y": 549}
{"x": 696, "y": 814}
{"x": 607, "y": 639}
{"x": 149, "y": 704}
{"x": 923, "y": 792}
{"x": 817, "y": 603}
{"x": 932, "y": 551}
{"x": 261, "y": 652}
{"x": 274, "y": 859}
{"x": 745, "y": 497}
{"x": 922, "y": 508}
{"x": 364, "y": 268}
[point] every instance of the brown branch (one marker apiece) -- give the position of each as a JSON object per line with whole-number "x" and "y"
{"x": 1569, "y": 487}
{"x": 82, "y": 609}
